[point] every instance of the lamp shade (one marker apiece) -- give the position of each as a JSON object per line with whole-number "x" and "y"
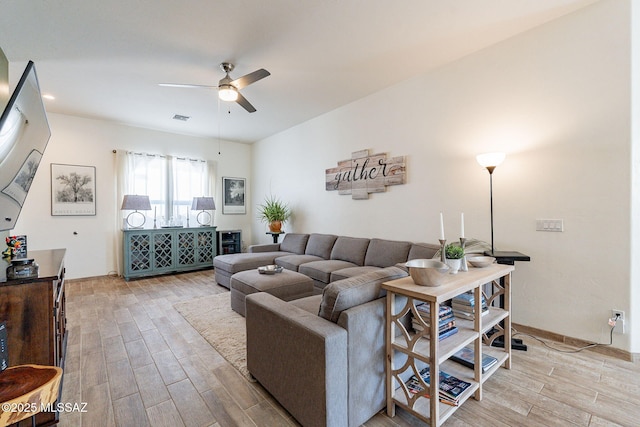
{"x": 203, "y": 203}
{"x": 488, "y": 160}
{"x": 135, "y": 203}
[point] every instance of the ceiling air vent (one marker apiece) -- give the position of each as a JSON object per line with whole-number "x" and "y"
{"x": 181, "y": 117}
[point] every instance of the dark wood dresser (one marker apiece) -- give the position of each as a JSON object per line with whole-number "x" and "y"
{"x": 34, "y": 310}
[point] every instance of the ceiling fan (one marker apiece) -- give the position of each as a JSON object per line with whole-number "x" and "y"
{"x": 228, "y": 88}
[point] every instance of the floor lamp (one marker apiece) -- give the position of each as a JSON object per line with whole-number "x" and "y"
{"x": 490, "y": 161}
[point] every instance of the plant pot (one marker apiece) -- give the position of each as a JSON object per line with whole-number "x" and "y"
{"x": 454, "y": 265}
{"x": 275, "y": 226}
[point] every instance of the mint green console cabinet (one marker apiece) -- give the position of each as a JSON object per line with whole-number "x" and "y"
{"x": 148, "y": 252}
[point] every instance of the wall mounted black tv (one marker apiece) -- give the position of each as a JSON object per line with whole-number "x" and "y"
{"x": 24, "y": 134}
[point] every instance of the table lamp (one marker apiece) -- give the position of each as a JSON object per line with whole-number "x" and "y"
{"x": 135, "y": 203}
{"x": 203, "y": 204}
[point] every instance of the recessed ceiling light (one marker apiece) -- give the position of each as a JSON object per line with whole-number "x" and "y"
{"x": 181, "y": 117}
{"x": 49, "y": 97}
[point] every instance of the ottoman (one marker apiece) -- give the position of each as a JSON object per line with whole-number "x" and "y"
{"x": 286, "y": 285}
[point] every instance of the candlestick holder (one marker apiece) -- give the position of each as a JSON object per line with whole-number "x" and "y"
{"x": 443, "y": 256}
{"x": 463, "y": 266}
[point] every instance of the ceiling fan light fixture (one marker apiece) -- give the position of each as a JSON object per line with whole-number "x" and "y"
{"x": 228, "y": 93}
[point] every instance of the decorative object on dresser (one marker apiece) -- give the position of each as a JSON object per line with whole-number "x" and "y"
{"x": 490, "y": 161}
{"x": 203, "y": 204}
{"x": 233, "y": 195}
{"x": 73, "y": 190}
{"x": 135, "y": 203}
{"x": 166, "y": 250}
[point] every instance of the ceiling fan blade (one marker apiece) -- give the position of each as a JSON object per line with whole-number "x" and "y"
{"x": 247, "y": 79}
{"x": 187, "y": 86}
{"x": 245, "y": 104}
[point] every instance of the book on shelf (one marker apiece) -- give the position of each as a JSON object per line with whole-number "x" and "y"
{"x": 467, "y": 315}
{"x": 467, "y": 298}
{"x": 450, "y": 387}
{"x": 417, "y": 326}
{"x": 465, "y": 356}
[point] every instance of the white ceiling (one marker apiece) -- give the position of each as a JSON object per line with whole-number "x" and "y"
{"x": 104, "y": 59}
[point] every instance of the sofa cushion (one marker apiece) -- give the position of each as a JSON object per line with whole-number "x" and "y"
{"x": 385, "y": 253}
{"x": 344, "y": 294}
{"x": 308, "y": 304}
{"x": 422, "y": 251}
{"x": 320, "y": 245}
{"x": 345, "y": 273}
{"x": 352, "y": 249}
{"x": 293, "y": 262}
{"x": 233, "y": 263}
{"x": 321, "y": 270}
{"x": 294, "y": 243}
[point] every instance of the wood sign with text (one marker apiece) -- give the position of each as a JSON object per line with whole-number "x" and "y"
{"x": 364, "y": 174}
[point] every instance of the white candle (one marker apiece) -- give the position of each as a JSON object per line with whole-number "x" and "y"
{"x": 441, "y": 227}
{"x": 155, "y": 211}
{"x": 462, "y": 225}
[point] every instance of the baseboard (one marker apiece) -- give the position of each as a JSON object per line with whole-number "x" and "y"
{"x": 575, "y": 342}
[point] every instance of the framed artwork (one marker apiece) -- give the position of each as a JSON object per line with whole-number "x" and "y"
{"x": 233, "y": 195}
{"x": 73, "y": 190}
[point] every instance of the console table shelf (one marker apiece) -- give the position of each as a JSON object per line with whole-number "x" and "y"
{"x": 425, "y": 348}
{"x": 149, "y": 252}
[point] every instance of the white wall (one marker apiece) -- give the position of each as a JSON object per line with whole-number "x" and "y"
{"x": 556, "y": 100}
{"x": 80, "y": 141}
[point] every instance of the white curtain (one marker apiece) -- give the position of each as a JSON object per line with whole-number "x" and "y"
{"x": 170, "y": 182}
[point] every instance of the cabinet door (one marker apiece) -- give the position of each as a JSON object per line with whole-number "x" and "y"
{"x": 163, "y": 251}
{"x": 205, "y": 245}
{"x": 186, "y": 251}
{"x": 137, "y": 249}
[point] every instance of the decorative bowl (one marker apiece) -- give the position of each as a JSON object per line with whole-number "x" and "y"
{"x": 427, "y": 272}
{"x": 269, "y": 269}
{"x": 481, "y": 261}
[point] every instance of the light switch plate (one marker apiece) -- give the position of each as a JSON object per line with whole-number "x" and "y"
{"x": 556, "y": 225}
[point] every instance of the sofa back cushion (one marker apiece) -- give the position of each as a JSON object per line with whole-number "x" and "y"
{"x": 343, "y": 294}
{"x": 294, "y": 242}
{"x": 320, "y": 245}
{"x": 422, "y": 251}
{"x": 385, "y": 253}
{"x": 351, "y": 249}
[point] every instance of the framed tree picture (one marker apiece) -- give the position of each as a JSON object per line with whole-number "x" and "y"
{"x": 233, "y": 195}
{"x": 73, "y": 190}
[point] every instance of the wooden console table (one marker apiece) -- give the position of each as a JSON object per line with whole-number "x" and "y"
{"x": 35, "y": 313}
{"x": 421, "y": 348}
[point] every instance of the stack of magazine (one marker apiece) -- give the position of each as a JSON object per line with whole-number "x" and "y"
{"x": 446, "y": 320}
{"x": 463, "y": 305}
{"x": 465, "y": 357}
{"x": 450, "y": 387}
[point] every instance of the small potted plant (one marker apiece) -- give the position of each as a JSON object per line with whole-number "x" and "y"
{"x": 453, "y": 254}
{"x": 274, "y": 212}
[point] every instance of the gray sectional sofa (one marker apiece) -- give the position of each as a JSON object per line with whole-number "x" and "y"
{"x": 322, "y": 357}
{"x": 323, "y": 257}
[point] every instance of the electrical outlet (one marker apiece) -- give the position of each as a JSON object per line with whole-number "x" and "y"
{"x": 620, "y": 321}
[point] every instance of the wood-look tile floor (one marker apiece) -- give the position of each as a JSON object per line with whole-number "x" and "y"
{"x": 135, "y": 361}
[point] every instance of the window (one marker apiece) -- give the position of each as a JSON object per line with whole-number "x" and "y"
{"x": 170, "y": 182}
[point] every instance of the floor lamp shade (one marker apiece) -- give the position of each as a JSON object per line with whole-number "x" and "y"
{"x": 135, "y": 203}
{"x": 203, "y": 204}
{"x": 490, "y": 161}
